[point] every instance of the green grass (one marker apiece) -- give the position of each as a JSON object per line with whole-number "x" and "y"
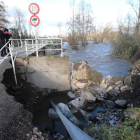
{"x": 119, "y": 132}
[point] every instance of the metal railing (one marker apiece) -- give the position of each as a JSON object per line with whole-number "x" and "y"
{"x": 29, "y": 46}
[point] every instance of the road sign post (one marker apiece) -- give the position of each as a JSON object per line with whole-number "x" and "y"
{"x": 34, "y": 20}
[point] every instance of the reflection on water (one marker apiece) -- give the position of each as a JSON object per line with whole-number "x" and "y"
{"x": 99, "y": 58}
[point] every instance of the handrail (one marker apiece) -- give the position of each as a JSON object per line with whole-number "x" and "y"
{"x": 75, "y": 132}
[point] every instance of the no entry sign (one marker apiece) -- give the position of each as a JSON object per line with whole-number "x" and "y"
{"x": 34, "y": 8}
{"x": 34, "y": 20}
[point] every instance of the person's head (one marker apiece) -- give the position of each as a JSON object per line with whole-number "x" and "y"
{"x": 1, "y": 28}
{"x": 5, "y": 30}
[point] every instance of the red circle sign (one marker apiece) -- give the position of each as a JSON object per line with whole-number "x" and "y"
{"x": 34, "y": 8}
{"x": 34, "y": 20}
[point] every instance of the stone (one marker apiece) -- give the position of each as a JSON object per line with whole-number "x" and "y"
{"x": 100, "y": 99}
{"x": 78, "y": 103}
{"x": 120, "y": 103}
{"x": 65, "y": 110}
{"x": 71, "y": 96}
{"x": 110, "y": 104}
{"x": 109, "y": 88}
{"x": 52, "y": 114}
{"x": 88, "y": 96}
{"x": 128, "y": 80}
{"x": 98, "y": 90}
{"x": 103, "y": 84}
{"x": 95, "y": 77}
{"x": 80, "y": 70}
{"x": 125, "y": 88}
{"x": 117, "y": 79}
{"x": 35, "y": 130}
{"x": 111, "y": 94}
{"x": 39, "y": 134}
{"x": 73, "y": 85}
{"x": 108, "y": 80}
{"x": 81, "y": 84}
{"x": 85, "y": 115}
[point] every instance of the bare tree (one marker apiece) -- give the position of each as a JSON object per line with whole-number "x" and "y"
{"x": 3, "y": 14}
{"x": 84, "y": 21}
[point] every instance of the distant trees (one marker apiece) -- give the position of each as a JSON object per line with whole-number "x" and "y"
{"x": 3, "y": 14}
{"x": 80, "y": 24}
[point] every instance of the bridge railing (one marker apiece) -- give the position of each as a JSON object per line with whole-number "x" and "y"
{"x": 28, "y": 46}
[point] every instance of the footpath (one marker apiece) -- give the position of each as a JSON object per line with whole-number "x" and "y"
{"x": 12, "y": 114}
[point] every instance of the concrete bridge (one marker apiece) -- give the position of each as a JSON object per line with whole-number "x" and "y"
{"x": 37, "y": 63}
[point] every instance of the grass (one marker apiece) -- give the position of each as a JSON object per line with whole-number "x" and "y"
{"x": 119, "y": 132}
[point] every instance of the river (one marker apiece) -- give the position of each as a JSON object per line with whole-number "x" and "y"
{"x": 100, "y": 58}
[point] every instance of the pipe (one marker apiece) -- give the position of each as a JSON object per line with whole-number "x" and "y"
{"x": 75, "y": 132}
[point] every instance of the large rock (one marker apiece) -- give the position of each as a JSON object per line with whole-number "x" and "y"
{"x": 108, "y": 80}
{"x": 78, "y": 103}
{"x": 112, "y": 94}
{"x": 65, "y": 110}
{"x": 52, "y": 114}
{"x": 95, "y": 77}
{"x": 80, "y": 70}
{"x": 103, "y": 84}
{"x": 120, "y": 103}
{"x": 71, "y": 96}
{"x": 85, "y": 115}
{"x": 128, "y": 80}
{"x": 125, "y": 88}
{"x": 88, "y": 96}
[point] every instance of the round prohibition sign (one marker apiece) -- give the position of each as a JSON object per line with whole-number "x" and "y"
{"x": 34, "y": 20}
{"x": 34, "y": 8}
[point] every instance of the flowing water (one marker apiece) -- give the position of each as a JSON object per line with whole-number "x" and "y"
{"x": 99, "y": 58}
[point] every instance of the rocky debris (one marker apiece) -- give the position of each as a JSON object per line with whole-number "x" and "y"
{"x": 125, "y": 88}
{"x": 128, "y": 80}
{"x": 88, "y": 96}
{"x": 103, "y": 84}
{"x": 111, "y": 94}
{"x": 85, "y": 115}
{"x": 52, "y": 114}
{"x": 78, "y": 103}
{"x": 71, "y": 95}
{"x": 120, "y": 103}
{"x": 35, "y": 135}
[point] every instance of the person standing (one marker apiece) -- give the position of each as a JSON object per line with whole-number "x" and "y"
{"x": 2, "y": 42}
{"x": 7, "y": 37}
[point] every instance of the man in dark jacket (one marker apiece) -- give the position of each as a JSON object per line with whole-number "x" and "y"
{"x": 7, "y": 37}
{"x": 2, "y": 42}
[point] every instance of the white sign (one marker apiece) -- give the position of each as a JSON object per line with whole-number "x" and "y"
{"x": 34, "y": 8}
{"x": 34, "y": 20}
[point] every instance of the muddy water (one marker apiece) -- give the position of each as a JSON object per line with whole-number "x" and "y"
{"x": 99, "y": 58}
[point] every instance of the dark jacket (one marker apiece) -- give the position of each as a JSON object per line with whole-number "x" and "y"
{"x": 7, "y": 36}
{"x": 2, "y": 36}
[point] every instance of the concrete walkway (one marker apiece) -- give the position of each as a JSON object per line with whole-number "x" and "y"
{"x": 8, "y": 107}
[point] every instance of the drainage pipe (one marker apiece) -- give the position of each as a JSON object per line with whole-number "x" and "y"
{"x": 75, "y": 132}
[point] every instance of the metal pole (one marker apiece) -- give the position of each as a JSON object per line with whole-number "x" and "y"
{"x": 75, "y": 132}
{"x": 13, "y": 64}
{"x": 36, "y": 42}
{"x": 61, "y": 48}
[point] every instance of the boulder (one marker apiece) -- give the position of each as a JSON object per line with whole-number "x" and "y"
{"x": 108, "y": 80}
{"x": 98, "y": 90}
{"x": 80, "y": 70}
{"x": 78, "y": 103}
{"x": 128, "y": 80}
{"x": 70, "y": 95}
{"x": 52, "y": 114}
{"x": 117, "y": 79}
{"x": 88, "y": 96}
{"x": 65, "y": 110}
{"x": 73, "y": 85}
{"x": 103, "y": 84}
{"x": 120, "y": 103}
{"x": 125, "y": 88}
{"x": 109, "y": 88}
{"x": 112, "y": 94}
{"x": 95, "y": 77}
{"x": 85, "y": 115}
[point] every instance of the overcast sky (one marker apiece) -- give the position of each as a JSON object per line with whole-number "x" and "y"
{"x": 54, "y": 11}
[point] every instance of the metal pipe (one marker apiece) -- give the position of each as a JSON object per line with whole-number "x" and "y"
{"x": 75, "y": 132}
{"x": 13, "y": 64}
